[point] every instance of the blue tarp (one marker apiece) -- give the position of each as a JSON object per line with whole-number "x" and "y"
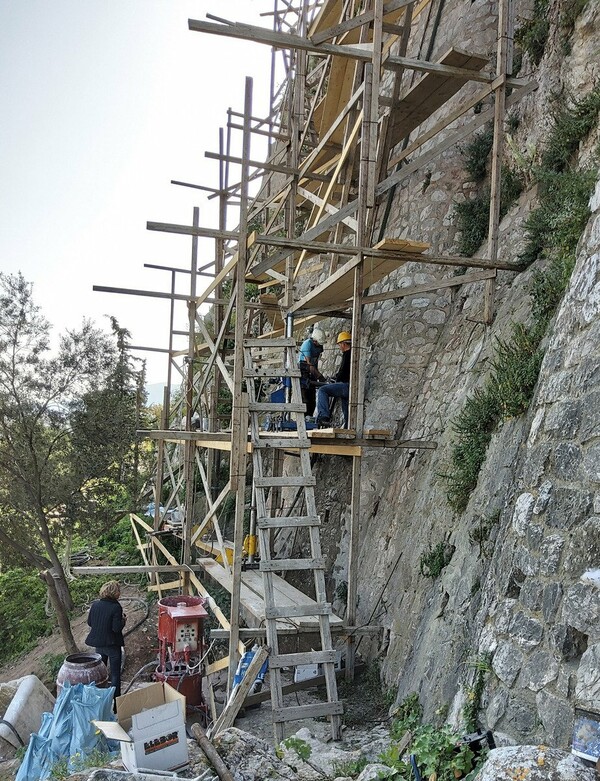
{"x": 67, "y": 732}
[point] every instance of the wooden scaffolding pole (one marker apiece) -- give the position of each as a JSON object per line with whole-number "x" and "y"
{"x": 239, "y": 422}
{"x": 503, "y": 67}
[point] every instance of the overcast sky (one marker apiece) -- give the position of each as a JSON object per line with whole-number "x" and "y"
{"x": 103, "y": 103}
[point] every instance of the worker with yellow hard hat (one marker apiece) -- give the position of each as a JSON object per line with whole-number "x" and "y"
{"x": 339, "y": 388}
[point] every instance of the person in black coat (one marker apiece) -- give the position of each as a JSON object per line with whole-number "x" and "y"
{"x": 107, "y": 619}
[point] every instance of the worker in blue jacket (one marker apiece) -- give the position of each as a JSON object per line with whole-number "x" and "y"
{"x": 308, "y": 361}
{"x": 106, "y": 620}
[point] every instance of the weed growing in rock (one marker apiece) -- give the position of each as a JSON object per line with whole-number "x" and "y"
{"x": 298, "y": 745}
{"x": 533, "y": 34}
{"x": 407, "y": 716}
{"x": 472, "y": 220}
{"x": 480, "y": 534}
{"x": 572, "y": 122}
{"x": 437, "y": 753}
{"x": 352, "y": 768}
{"x": 552, "y": 232}
{"x": 433, "y": 561}
{"x": 480, "y": 665}
{"x": 473, "y": 216}
{"x": 477, "y": 152}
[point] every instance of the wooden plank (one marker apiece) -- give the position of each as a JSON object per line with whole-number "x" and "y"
{"x": 227, "y": 717}
{"x": 279, "y": 40}
{"x": 429, "y": 94}
{"x": 430, "y": 287}
{"x": 274, "y": 565}
{"x": 220, "y": 664}
{"x": 314, "y": 711}
{"x": 249, "y": 600}
{"x": 266, "y": 406}
{"x": 284, "y": 482}
{"x": 266, "y": 343}
{"x": 287, "y": 522}
{"x": 285, "y": 442}
{"x": 288, "y": 596}
{"x": 299, "y": 611}
{"x": 268, "y": 372}
{"x": 307, "y": 657}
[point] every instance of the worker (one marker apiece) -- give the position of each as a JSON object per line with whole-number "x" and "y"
{"x": 308, "y": 361}
{"x": 339, "y": 388}
{"x": 106, "y": 620}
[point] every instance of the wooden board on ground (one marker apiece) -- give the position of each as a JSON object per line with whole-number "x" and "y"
{"x": 337, "y": 289}
{"x": 430, "y": 93}
{"x": 252, "y": 594}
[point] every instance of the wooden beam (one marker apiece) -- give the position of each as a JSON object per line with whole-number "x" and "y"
{"x": 430, "y": 287}
{"x": 192, "y": 230}
{"x": 283, "y": 169}
{"x": 279, "y": 40}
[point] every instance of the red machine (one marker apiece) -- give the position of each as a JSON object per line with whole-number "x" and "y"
{"x": 181, "y": 647}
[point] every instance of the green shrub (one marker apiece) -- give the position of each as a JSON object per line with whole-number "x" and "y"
{"x": 23, "y": 619}
{"x": 433, "y": 561}
{"x": 515, "y": 369}
{"x": 436, "y": 752}
{"x": 572, "y": 123}
{"x": 473, "y": 429}
{"x": 548, "y": 286}
{"x": 557, "y": 223}
{"x": 473, "y": 215}
{"x": 407, "y": 716}
{"x": 477, "y": 152}
{"x": 480, "y": 665}
{"x": 472, "y": 219}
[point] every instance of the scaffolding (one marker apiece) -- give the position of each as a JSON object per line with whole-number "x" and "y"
{"x": 351, "y": 117}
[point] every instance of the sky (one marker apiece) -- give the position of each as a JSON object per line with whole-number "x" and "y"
{"x": 104, "y": 102}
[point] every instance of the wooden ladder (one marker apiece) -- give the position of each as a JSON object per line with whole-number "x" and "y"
{"x": 261, "y": 366}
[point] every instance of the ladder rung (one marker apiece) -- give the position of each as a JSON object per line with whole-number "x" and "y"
{"x": 271, "y": 406}
{"x": 288, "y": 522}
{"x": 274, "y": 565}
{"x": 271, "y": 371}
{"x": 292, "y": 442}
{"x": 309, "y": 657}
{"x": 284, "y": 341}
{"x": 285, "y": 482}
{"x": 299, "y": 611}
{"x": 315, "y": 710}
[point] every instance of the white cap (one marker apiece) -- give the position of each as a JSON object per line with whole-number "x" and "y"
{"x": 318, "y": 335}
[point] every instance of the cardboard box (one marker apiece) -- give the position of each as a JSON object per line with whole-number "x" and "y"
{"x": 151, "y": 728}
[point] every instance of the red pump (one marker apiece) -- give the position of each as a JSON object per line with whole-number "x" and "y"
{"x": 181, "y": 647}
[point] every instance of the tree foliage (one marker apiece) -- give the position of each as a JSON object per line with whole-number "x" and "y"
{"x": 67, "y": 421}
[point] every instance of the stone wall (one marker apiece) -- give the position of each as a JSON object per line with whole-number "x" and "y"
{"x": 516, "y": 595}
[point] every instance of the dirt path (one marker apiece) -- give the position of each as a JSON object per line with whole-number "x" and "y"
{"x": 140, "y": 645}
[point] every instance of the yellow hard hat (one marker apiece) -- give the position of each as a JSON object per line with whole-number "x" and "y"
{"x": 344, "y": 336}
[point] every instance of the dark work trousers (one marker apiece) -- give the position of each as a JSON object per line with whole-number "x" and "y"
{"x": 112, "y": 655}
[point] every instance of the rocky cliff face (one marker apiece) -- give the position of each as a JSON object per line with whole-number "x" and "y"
{"x": 512, "y": 588}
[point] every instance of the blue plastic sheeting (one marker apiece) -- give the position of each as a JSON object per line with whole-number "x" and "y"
{"x": 68, "y": 732}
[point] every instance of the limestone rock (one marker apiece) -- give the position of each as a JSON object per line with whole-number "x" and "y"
{"x": 535, "y": 763}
